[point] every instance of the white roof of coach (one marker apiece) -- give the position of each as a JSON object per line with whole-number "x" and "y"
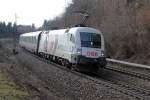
{"x": 59, "y": 30}
{"x": 31, "y": 33}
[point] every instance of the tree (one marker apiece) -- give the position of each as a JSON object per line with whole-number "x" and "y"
{"x": 14, "y": 28}
{"x": 45, "y": 25}
{"x": 33, "y": 27}
{"x": 9, "y": 28}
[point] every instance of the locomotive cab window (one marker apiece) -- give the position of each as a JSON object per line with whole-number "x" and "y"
{"x": 92, "y": 40}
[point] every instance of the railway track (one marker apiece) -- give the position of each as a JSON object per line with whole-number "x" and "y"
{"x": 129, "y": 72}
{"x": 122, "y": 87}
{"x": 137, "y": 70}
{"x": 132, "y": 74}
{"x": 136, "y": 88}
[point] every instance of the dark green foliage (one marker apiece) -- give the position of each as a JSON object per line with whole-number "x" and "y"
{"x": 10, "y": 30}
{"x": 7, "y": 30}
{"x": 45, "y": 25}
{"x": 33, "y": 27}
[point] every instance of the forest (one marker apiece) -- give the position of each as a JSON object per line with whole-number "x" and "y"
{"x": 7, "y": 30}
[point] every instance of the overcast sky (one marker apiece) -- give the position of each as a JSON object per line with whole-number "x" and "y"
{"x": 31, "y": 11}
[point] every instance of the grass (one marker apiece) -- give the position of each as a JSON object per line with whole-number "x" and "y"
{"x": 11, "y": 91}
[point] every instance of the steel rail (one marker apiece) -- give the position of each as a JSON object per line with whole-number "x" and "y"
{"x": 128, "y": 63}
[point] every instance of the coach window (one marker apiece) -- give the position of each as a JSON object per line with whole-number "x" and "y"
{"x": 33, "y": 39}
{"x": 72, "y": 38}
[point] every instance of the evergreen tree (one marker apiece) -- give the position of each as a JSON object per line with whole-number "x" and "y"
{"x": 9, "y": 27}
{"x": 4, "y": 27}
{"x": 14, "y": 28}
{"x": 45, "y": 25}
{"x": 33, "y": 27}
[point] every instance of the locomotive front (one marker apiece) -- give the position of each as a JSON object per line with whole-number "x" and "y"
{"x": 90, "y": 49}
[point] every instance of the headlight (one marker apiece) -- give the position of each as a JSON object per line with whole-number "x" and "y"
{"x": 79, "y": 51}
{"x": 102, "y": 53}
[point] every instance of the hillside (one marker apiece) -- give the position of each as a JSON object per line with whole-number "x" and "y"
{"x": 124, "y": 23}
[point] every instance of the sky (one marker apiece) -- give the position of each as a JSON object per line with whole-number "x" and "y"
{"x": 31, "y": 11}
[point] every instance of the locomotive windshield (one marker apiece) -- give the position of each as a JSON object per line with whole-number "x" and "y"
{"x": 92, "y": 40}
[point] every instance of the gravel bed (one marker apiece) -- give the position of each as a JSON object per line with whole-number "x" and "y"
{"x": 67, "y": 85}
{"x": 135, "y": 83}
{"x": 132, "y": 69}
{"x": 48, "y": 82}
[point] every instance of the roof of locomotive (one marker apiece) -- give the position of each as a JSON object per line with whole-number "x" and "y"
{"x": 84, "y": 29}
{"x": 72, "y": 30}
{"x": 75, "y": 30}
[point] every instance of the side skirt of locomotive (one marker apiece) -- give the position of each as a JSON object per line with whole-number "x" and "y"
{"x": 80, "y": 66}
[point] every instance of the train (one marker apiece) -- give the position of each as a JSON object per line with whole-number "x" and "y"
{"x": 77, "y": 48}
